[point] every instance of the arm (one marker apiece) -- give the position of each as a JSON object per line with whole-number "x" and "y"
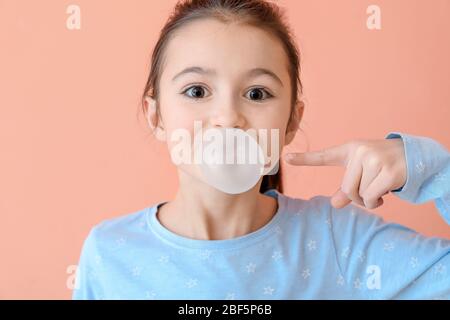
{"x": 380, "y": 260}
{"x": 86, "y": 286}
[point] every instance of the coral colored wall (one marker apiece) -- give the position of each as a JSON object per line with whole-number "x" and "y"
{"x": 73, "y": 152}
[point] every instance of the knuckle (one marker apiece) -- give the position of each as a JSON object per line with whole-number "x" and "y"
{"x": 370, "y": 200}
{"x": 370, "y": 203}
{"x": 391, "y": 177}
{"x": 368, "y": 197}
{"x": 361, "y": 149}
{"x": 353, "y": 145}
{"x": 374, "y": 161}
{"x": 370, "y": 206}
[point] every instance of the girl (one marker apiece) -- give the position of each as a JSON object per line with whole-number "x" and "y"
{"x": 234, "y": 64}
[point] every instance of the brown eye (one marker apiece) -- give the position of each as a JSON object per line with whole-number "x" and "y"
{"x": 196, "y": 92}
{"x": 257, "y": 94}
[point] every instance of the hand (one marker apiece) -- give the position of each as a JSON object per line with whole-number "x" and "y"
{"x": 373, "y": 169}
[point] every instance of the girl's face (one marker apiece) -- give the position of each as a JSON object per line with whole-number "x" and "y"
{"x": 226, "y": 76}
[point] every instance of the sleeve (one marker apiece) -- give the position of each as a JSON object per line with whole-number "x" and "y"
{"x": 87, "y": 286}
{"x": 380, "y": 260}
{"x": 428, "y": 177}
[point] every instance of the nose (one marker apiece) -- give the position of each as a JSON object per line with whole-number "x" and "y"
{"x": 227, "y": 116}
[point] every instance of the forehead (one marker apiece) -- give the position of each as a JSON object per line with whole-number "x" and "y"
{"x": 228, "y": 48}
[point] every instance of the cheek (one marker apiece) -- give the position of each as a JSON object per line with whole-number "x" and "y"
{"x": 174, "y": 112}
{"x": 176, "y": 119}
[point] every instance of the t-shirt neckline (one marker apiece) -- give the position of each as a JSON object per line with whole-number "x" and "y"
{"x": 177, "y": 240}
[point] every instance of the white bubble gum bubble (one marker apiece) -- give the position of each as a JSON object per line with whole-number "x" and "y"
{"x": 238, "y": 167}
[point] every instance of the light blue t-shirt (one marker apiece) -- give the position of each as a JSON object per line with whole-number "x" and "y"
{"x": 309, "y": 250}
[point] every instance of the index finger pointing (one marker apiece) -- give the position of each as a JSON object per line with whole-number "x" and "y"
{"x": 333, "y": 156}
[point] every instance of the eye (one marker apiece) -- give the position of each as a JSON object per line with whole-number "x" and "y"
{"x": 258, "y": 94}
{"x": 196, "y": 92}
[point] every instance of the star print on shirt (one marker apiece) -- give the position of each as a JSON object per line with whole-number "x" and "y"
{"x": 163, "y": 259}
{"x": 420, "y": 167}
{"x": 277, "y": 255}
{"x": 230, "y": 296}
{"x": 312, "y": 245}
{"x": 191, "y": 283}
{"x": 278, "y": 230}
{"x": 440, "y": 177}
{"x": 361, "y": 256}
{"x": 388, "y": 246}
{"x": 306, "y": 273}
{"x": 136, "y": 271}
{"x": 440, "y": 269}
{"x": 205, "y": 254}
{"x": 414, "y": 262}
{"x": 268, "y": 290}
{"x": 142, "y": 224}
{"x": 299, "y": 212}
{"x": 98, "y": 259}
{"x": 251, "y": 267}
{"x": 345, "y": 252}
{"x": 120, "y": 242}
{"x": 357, "y": 284}
{"x": 340, "y": 280}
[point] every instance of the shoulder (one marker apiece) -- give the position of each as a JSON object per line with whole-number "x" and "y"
{"x": 124, "y": 222}
{"x": 352, "y": 226}
{"x": 120, "y": 228}
{"x": 312, "y": 208}
{"x": 293, "y": 205}
{"x": 318, "y": 210}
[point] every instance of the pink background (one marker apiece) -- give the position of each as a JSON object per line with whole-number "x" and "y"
{"x": 73, "y": 152}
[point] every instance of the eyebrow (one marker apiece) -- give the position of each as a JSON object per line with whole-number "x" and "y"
{"x": 251, "y": 73}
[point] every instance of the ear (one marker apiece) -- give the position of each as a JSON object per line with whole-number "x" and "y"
{"x": 153, "y": 118}
{"x": 294, "y": 122}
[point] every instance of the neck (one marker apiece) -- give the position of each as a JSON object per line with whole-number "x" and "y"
{"x": 199, "y": 211}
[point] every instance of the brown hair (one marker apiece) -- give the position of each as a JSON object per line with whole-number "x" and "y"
{"x": 259, "y": 13}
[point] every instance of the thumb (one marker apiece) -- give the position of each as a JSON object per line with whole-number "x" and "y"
{"x": 339, "y": 199}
